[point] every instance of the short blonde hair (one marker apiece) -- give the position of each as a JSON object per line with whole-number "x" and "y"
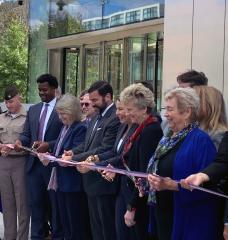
{"x": 212, "y": 114}
{"x": 185, "y": 98}
{"x": 141, "y": 96}
{"x": 70, "y": 104}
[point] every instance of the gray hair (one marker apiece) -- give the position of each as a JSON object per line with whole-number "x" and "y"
{"x": 70, "y": 104}
{"x": 141, "y": 96}
{"x": 186, "y": 98}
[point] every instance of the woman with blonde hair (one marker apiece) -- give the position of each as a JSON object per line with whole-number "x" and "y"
{"x": 212, "y": 113}
{"x": 132, "y": 210}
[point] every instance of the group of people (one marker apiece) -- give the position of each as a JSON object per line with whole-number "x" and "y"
{"x": 188, "y": 143}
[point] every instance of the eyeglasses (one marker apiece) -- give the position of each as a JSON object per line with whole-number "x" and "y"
{"x": 86, "y": 104}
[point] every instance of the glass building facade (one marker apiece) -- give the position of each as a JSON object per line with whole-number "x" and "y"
{"x": 69, "y": 17}
{"x": 38, "y": 54}
{"x": 107, "y": 45}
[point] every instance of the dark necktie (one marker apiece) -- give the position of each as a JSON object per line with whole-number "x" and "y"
{"x": 42, "y": 121}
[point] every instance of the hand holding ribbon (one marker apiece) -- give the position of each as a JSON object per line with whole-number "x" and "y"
{"x": 91, "y": 166}
{"x": 43, "y": 158}
{"x": 108, "y": 175}
{"x": 194, "y": 179}
{"x": 158, "y": 183}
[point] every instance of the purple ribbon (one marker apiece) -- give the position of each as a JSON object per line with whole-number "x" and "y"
{"x": 120, "y": 171}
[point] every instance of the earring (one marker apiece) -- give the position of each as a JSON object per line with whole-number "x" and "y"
{"x": 185, "y": 124}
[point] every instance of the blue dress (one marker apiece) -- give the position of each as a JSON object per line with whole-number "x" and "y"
{"x": 194, "y": 214}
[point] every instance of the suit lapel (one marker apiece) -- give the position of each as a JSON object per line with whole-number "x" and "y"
{"x": 91, "y": 133}
{"x": 36, "y": 116}
{"x": 130, "y": 132}
{"x": 99, "y": 124}
{"x": 64, "y": 141}
{"x": 120, "y": 134}
{"x": 57, "y": 140}
{"x": 53, "y": 114}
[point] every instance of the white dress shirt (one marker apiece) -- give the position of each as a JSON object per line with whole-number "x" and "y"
{"x": 51, "y": 106}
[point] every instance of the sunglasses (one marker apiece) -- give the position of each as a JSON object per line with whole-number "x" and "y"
{"x": 86, "y": 104}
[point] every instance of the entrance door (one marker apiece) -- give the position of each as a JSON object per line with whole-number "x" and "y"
{"x": 154, "y": 64}
{"x": 113, "y": 65}
{"x": 92, "y": 64}
{"x": 71, "y": 83}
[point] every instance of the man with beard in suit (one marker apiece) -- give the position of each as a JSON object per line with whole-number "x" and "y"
{"x": 100, "y": 137}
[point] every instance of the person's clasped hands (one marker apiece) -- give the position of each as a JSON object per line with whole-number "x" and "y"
{"x": 4, "y": 150}
{"x": 107, "y": 175}
{"x": 84, "y": 165}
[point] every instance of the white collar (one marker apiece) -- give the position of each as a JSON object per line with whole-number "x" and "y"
{"x": 106, "y": 109}
{"x": 51, "y": 103}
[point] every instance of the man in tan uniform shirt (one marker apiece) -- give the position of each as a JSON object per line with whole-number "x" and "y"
{"x": 12, "y": 169}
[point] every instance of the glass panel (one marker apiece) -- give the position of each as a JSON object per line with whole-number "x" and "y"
{"x": 92, "y": 57}
{"x": 66, "y": 16}
{"x": 135, "y": 59}
{"x": 133, "y": 16}
{"x": 151, "y": 56}
{"x": 154, "y": 64}
{"x": 71, "y": 71}
{"x": 159, "y": 73}
{"x": 114, "y": 66}
{"x": 74, "y": 16}
{"x": 38, "y": 54}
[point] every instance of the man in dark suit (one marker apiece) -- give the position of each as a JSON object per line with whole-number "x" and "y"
{"x": 100, "y": 137}
{"x": 42, "y": 127}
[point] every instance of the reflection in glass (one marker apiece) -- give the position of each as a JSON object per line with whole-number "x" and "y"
{"x": 154, "y": 63}
{"x": 72, "y": 71}
{"x": 64, "y": 18}
{"x": 113, "y": 70}
{"x": 38, "y": 54}
{"x": 146, "y": 54}
{"x": 135, "y": 59}
{"x": 133, "y": 16}
{"x": 150, "y": 13}
{"x": 116, "y": 20}
{"x": 92, "y": 57}
{"x": 75, "y": 16}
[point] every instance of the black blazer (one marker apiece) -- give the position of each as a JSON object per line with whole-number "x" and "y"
{"x": 30, "y": 132}
{"x": 99, "y": 142}
{"x": 113, "y": 156}
{"x": 137, "y": 159}
{"x": 218, "y": 169}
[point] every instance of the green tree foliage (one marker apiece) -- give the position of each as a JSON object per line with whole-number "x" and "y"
{"x": 14, "y": 57}
{"x": 62, "y": 23}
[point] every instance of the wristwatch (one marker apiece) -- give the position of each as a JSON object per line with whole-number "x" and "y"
{"x": 130, "y": 208}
